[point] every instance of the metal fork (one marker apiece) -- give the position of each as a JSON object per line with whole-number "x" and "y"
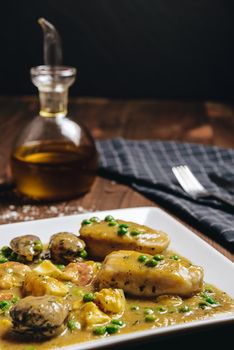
{"x": 193, "y": 187}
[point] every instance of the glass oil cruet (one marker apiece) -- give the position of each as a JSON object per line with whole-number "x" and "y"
{"x": 53, "y": 157}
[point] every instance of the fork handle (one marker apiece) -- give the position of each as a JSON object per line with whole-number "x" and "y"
{"x": 221, "y": 199}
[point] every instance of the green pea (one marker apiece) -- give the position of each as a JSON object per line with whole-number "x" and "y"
{"x": 174, "y": 257}
{"x": 184, "y": 309}
{"x": 29, "y": 348}
{"x": 109, "y": 218}
{"x": 100, "y": 330}
{"x": 86, "y": 222}
{"x": 3, "y": 259}
{"x": 150, "y": 318}
{"x": 6, "y": 251}
{"x": 118, "y": 322}
{"x": 73, "y": 325}
{"x": 122, "y": 231}
{"x": 83, "y": 254}
{"x": 161, "y": 309}
{"x": 5, "y": 305}
{"x": 112, "y": 328}
{"x": 123, "y": 225}
{"x": 38, "y": 247}
{"x": 210, "y": 300}
{"x": 142, "y": 258}
{"x": 60, "y": 266}
{"x": 148, "y": 311}
{"x": 88, "y": 297}
{"x": 112, "y": 223}
{"x": 135, "y": 233}
{"x": 158, "y": 257}
{"x": 95, "y": 219}
{"x": 151, "y": 263}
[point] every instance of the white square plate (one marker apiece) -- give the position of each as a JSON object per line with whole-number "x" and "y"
{"x": 218, "y": 269}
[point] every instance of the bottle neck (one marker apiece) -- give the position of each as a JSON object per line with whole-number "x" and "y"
{"x": 53, "y": 103}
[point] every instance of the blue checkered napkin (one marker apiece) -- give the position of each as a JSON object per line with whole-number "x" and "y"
{"x": 146, "y": 166}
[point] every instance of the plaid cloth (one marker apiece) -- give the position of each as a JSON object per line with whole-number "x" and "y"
{"x": 146, "y": 166}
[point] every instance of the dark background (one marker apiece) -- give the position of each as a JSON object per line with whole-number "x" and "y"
{"x": 125, "y": 48}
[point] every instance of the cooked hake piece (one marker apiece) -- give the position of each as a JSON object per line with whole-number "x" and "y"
{"x": 104, "y": 237}
{"x": 148, "y": 276}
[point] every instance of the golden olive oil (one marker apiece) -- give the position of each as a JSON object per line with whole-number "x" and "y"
{"x": 54, "y": 170}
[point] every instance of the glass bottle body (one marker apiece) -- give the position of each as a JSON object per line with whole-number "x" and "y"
{"x": 54, "y": 157}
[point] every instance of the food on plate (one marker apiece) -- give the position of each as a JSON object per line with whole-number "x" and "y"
{"x": 40, "y": 317}
{"x": 12, "y": 274}
{"x": 27, "y": 247}
{"x": 66, "y": 247}
{"x": 111, "y": 301}
{"x": 91, "y": 316}
{"x": 53, "y": 295}
{"x": 47, "y": 268}
{"x": 106, "y": 236}
{"x": 37, "y": 285}
{"x": 80, "y": 273}
{"x": 148, "y": 276}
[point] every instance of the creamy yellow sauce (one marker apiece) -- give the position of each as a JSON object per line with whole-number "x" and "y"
{"x": 140, "y": 314}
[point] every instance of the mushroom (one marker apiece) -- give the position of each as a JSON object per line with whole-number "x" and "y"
{"x": 27, "y": 247}
{"x": 65, "y": 247}
{"x": 40, "y": 317}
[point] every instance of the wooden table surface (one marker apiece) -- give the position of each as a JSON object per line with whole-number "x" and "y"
{"x": 200, "y": 122}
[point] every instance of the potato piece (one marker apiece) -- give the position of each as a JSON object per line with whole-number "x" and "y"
{"x": 102, "y": 238}
{"x": 91, "y": 316}
{"x": 12, "y": 274}
{"x": 48, "y": 269}
{"x": 38, "y": 285}
{"x": 111, "y": 301}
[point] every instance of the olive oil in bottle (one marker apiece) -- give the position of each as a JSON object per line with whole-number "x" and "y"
{"x": 53, "y": 170}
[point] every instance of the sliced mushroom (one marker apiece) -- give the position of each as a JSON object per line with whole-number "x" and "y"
{"x": 27, "y": 247}
{"x": 40, "y": 317}
{"x": 65, "y": 247}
